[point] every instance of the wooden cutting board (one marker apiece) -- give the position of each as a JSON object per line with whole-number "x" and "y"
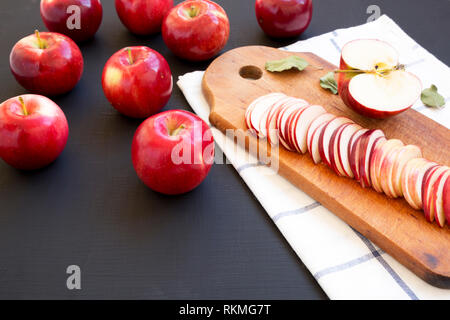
{"x": 237, "y": 77}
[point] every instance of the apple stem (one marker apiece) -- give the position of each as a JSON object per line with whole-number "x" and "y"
{"x": 193, "y": 11}
{"x": 41, "y": 43}
{"x": 24, "y": 108}
{"x": 130, "y": 56}
{"x": 177, "y": 130}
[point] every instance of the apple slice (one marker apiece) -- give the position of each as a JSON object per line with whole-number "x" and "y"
{"x": 407, "y": 153}
{"x": 271, "y": 126}
{"x": 314, "y": 125}
{"x": 387, "y": 166}
{"x": 343, "y": 146}
{"x": 409, "y": 178}
{"x": 437, "y": 196}
{"x": 284, "y": 124}
{"x": 428, "y": 182}
{"x": 252, "y": 106}
{"x": 314, "y": 151}
{"x": 260, "y": 111}
{"x": 368, "y": 140}
{"x": 334, "y": 150}
{"x": 302, "y": 124}
{"x": 325, "y": 137}
{"x": 293, "y": 120}
{"x": 446, "y": 199}
{"x": 353, "y": 152}
{"x": 370, "y": 92}
{"x": 377, "y": 161}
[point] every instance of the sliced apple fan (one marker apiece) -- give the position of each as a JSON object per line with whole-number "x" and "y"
{"x": 386, "y": 165}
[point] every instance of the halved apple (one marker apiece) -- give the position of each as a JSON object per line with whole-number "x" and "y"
{"x": 371, "y": 81}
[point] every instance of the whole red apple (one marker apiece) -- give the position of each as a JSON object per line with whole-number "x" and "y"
{"x": 33, "y": 131}
{"x": 143, "y": 17}
{"x": 173, "y": 151}
{"x": 196, "y": 30}
{"x": 283, "y": 18}
{"x": 47, "y": 63}
{"x": 137, "y": 81}
{"x": 77, "y": 19}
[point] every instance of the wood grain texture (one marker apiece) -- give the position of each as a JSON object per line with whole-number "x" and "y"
{"x": 392, "y": 224}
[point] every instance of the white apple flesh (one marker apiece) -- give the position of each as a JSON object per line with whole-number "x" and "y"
{"x": 370, "y": 93}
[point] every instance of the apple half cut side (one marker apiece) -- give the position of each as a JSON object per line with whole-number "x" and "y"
{"x": 370, "y": 93}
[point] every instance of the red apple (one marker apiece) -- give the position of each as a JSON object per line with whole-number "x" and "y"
{"x": 196, "y": 29}
{"x": 283, "y": 18}
{"x": 143, "y": 17}
{"x": 77, "y": 19}
{"x": 173, "y": 151}
{"x": 33, "y": 131}
{"x": 137, "y": 81}
{"x": 369, "y": 93}
{"x": 47, "y": 63}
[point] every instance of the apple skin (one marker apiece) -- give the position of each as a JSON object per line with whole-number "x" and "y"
{"x": 343, "y": 82}
{"x": 51, "y": 71}
{"x": 140, "y": 89}
{"x": 143, "y": 17}
{"x": 283, "y": 18}
{"x": 446, "y": 199}
{"x": 156, "y": 141}
{"x": 33, "y": 141}
{"x": 54, "y": 14}
{"x": 196, "y": 38}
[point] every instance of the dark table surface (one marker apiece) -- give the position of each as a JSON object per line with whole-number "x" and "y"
{"x": 89, "y": 208}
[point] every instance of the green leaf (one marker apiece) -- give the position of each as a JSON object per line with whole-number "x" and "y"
{"x": 430, "y": 97}
{"x": 328, "y": 82}
{"x": 286, "y": 64}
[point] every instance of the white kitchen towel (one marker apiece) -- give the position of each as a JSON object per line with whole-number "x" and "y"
{"x": 345, "y": 263}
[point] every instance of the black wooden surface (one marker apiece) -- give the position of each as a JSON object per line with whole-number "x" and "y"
{"x": 89, "y": 208}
